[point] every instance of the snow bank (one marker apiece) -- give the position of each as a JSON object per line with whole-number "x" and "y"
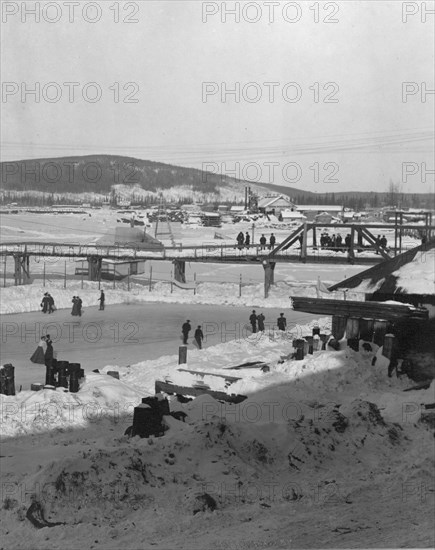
{"x": 21, "y": 299}
{"x": 100, "y": 396}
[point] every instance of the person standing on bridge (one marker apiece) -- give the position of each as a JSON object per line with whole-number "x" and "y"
{"x": 253, "y": 321}
{"x": 240, "y": 240}
{"x": 272, "y": 241}
{"x": 281, "y": 322}
{"x": 185, "y": 329}
{"x": 247, "y": 240}
{"x": 102, "y": 299}
{"x": 262, "y": 242}
{"x": 199, "y": 336}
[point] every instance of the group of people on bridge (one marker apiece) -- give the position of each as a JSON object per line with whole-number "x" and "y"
{"x": 244, "y": 241}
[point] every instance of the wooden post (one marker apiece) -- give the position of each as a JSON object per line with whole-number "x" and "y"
{"x": 395, "y": 233}
{"x": 366, "y": 329}
{"x": 81, "y": 285}
{"x": 64, "y": 279}
{"x": 352, "y": 333}
{"x": 380, "y": 328}
{"x": 151, "y": 278}
{"x": 314, "y": 237}
{"x": 128, "y": 280}
{"x": 300, "y": 347}
{"x": 99, "y": 276}
{"x": 43, "y": 275}
{"x": 194, "y": 281}
{"x": 268, "y": 276}
{"x": 240, "y": 286}
{"x": 172, "y": 284}
{"x": 400, "y": 233}
{"x": 389, "y": 345}
{"x": 352, "y": 244}
{"x": 352, "y": 328}
{"x": 182, "y": 355}
{"x": 114, "y": 275}
{"x": 304, "y": 242}
{"x": 4, "y": 272}
{"x": 338, "y": 326}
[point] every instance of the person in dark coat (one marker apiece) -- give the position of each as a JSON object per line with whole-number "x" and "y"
{"x": 199, "y": 336}
{"x": 44, "y": 303}
{"x": 272, "y": 241}
{"x": 260, "y": 320}
{"x": 185, "y": 329}
{"x": 39, "y": 354}
{"x": 79, "y": 306}
{"x": 49, "y": 353}
{"x": 102, "y": 299}
{"x": 50, "y": 303}
{"x": 347, "y": 241}
{"x": 281, "y": 322}
{"x": 247, "y": 240}
{"x": 253, "y": 321}
{"x": 240, "y": 240}
{"x": 74, "y": 310}
{"x": 378, "y": 242}
{"x": 339, "y": 241}
{"x": 263, "y": 242}
{"x": 383, "y": 241}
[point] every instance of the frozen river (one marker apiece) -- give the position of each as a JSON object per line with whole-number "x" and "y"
{"x": 122, "y": 334}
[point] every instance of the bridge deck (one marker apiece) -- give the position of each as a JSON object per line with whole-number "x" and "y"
{"x": 204, "y": 253}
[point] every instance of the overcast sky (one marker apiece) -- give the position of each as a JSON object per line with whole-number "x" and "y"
{"x": 360, "y": 136}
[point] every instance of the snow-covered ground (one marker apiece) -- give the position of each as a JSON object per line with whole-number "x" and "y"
{"x": 324, "y": 452}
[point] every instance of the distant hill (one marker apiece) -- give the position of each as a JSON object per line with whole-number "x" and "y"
{"x": 102, "y": 174}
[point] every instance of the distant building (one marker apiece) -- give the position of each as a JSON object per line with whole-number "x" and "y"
{"x": 292, "y": 216}
{"x": 275, "y": 204}
{"x": 312, "y": 210}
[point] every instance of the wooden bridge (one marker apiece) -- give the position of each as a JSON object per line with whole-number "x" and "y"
{"x": 300, "y": 246}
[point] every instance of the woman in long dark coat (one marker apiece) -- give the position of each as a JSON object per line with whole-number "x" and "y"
{"x": 39, "y": 354}
{"x": 74, "y": 310}
{"x": 49, "y": 353}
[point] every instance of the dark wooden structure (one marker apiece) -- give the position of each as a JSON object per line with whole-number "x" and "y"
{"x": 169, "y": 388}
{"x": 357, "y": 310}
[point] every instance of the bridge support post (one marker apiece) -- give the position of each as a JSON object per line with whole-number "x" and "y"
{"x": 179, "y": 270}
{"x": 94, "y": 268}
{"x": 351, "y": 255}
{"x": 338, "y": 326}
{"x": 304, "y": 243}
{"x": 269, "y": 268}
{"x": 22, "y": 269}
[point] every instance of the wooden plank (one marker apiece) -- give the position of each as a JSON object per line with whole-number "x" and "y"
{"x": 165, "y": 387}
{"x": 204, "y": 373}
{"x": 351, "y": 308}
